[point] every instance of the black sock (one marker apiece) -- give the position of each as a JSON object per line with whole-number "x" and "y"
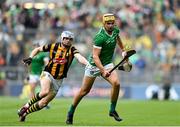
{"x": 35, "y": 107}
{"x": 34, "y": 99}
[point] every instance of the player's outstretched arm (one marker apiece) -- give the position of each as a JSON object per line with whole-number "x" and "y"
{"x": 36, "y": 51}
{"x": 81, "y": 58}
{"x": 27, "y": 61}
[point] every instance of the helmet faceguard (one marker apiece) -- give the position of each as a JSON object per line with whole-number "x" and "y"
{"x": 108, "y": 17}
{"x": 67, "y": 34}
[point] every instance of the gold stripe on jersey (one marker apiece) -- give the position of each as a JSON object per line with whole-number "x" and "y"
{"x": 51, "y": 51}
{"x": 50, "y": 62}
{"x": 53, "y": 70}
{"x": 70, "y": 58}
{"x": 62, "y": 66}
{"x": 58, "y": 52}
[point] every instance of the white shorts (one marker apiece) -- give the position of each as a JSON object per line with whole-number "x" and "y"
{"x": 33, "y": 78}
{"x": 55, "y": 83}
{"x": 93, "y": 71}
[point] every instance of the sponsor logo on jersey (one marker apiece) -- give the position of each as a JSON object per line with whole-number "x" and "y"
{"x": 112, "y": 39}
{"x": 60, "y": 60}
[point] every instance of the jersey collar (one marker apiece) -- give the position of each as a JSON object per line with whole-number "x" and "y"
{"x": 107, "y": 32}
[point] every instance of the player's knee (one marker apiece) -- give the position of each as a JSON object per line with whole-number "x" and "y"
{"x": 44, "y": 93}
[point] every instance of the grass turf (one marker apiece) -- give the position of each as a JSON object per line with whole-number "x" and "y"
{"x": 94, "y": 112}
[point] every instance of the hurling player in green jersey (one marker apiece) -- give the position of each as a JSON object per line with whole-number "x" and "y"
{"x": 100, "y": 63}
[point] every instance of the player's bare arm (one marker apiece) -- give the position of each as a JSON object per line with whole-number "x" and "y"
{"x": 27, "y": 61}
{"x": 120, "y": 44}
{"x": 36, "y": 51}
{"x": 97, "y": 61}
{"x": 81, "y": 58}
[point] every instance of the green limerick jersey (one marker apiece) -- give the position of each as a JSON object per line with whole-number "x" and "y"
{"x": 37, "y": 64}
{"x": 106, "y": 43}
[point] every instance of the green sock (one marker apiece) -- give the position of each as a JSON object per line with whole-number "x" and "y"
{"x": 72, "y": 109}
{"x": 113, "y": 106}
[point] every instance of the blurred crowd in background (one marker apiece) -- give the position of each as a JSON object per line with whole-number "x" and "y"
{"x": 151, "y": 27}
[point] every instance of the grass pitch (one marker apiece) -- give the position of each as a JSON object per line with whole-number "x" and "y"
{"x": 93, "y": 112}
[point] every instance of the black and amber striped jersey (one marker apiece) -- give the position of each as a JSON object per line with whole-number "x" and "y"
{"x": 60, "y": 59}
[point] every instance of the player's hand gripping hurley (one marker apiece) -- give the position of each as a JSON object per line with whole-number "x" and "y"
{"x": 129, "y": 54}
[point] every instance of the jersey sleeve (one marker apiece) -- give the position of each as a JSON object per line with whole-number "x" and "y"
{"x": 46, "y": 48}
{"x": 117, "y": 30}
{"x": 98, "y": 41}
{"x": 74, "y": 50}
